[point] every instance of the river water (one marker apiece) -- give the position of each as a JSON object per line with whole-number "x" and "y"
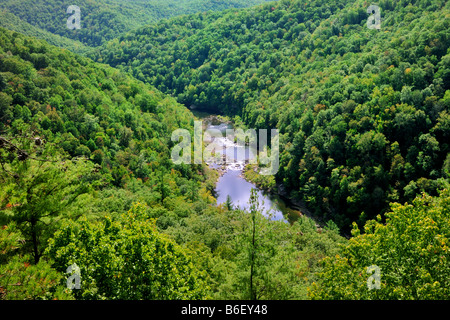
{"x": 232, "y": 183}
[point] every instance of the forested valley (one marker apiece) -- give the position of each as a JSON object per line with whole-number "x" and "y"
{"x": 102, "y": 20}
{"x": 87, "y": 179}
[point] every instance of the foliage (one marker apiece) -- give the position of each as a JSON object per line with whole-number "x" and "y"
{"x": 21, "y": 280}
{"x": 363, "y": 120}
{"x": 11, "y": 22}
{"x": 90, "y": 110}
{"x": 37, "y": 191}
{"x": 265, "y": 267}
{"x": 101, "y": 20}
{"x": 284, "y": 257}
{"x": 360, "y": 111}
{"x": 57, "y": 109}
{"x": 265, "y": 182}
{"x": 126, "y": 259}
{"x": 411, "y": 249}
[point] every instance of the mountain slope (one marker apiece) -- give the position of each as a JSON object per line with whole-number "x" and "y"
{"x": 363, "y": 113}
{"x": 80, "y": 139}
{"x": 103, "y": 20}
{"x": 11, "y": 22}
{"x": 88, "y": 109}
{"x": 364, "y": 120}
{"x": 57, "y": 108}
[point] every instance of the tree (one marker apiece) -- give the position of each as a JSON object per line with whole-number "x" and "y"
{"x": 411, "y": 250}
{"x": 37, "y": 186}
{"x": 20, "y": 280}
{"x": 126, "y": 259}
{"x": 2, "y": 82}
{"x": 5, "y": 109}
{"x": 252, "y": 243}
{"x": 265, "y": 265}
{"x": 229, "y": 203}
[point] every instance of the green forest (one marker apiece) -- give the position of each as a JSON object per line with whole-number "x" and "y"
{"x": 87, "y": 179}
{"x": 362, "y": 113}
{"x": 103, "y": 20}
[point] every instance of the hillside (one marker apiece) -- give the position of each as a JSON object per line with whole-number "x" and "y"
{"x": 90, "y": 108}
{"x": 103, "y": 20}
{"x": 89, "y": 192}
{"x": 86, "y": 177}
{"x": 11, "y": 22}
{"x": 363, "y": 113}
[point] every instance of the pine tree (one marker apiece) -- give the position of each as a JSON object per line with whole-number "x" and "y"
{"x": 38, "y": 186}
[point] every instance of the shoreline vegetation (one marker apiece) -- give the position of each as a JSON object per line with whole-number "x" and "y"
{"x": 249, "y": 173}
{"x": 88, "y": 182}
{"x": 269, "y": 185}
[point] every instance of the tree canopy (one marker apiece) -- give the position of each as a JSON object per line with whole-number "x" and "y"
{"x": 411, "y": 249}
{"x": 100, "y": 20}
{"x": 86, "y": 177}
{"x": 360, "y": 111}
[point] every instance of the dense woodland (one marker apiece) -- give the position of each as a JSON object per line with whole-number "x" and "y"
{"x": 103, "y": 20}
{"x": 86, "y": 154}
{"x": 363, "y": 113}
{"x": 86, "y": 175}
{"x": 11, "y": 22}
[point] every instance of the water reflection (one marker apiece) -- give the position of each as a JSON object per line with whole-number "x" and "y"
{"x": 231, "y": 158}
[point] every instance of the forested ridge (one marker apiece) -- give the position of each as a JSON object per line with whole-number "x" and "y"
{"x": 73, "y": 127}
{"x": 12, "y": 22}
{"x": 87, "y": 180}
{"x": 363, "y": 114}
{"x": 103, "y": 20}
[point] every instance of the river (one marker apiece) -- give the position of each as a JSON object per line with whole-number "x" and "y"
{"x": 232, "y": 183}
